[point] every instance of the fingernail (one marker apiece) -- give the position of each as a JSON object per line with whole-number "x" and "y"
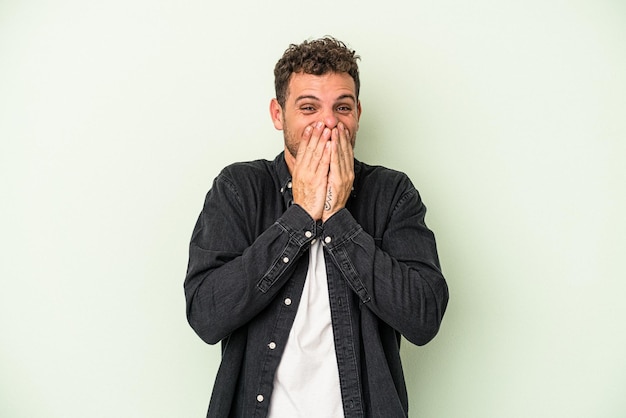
{"x": 307, "y": 130}
{"x": 319, "y": 124}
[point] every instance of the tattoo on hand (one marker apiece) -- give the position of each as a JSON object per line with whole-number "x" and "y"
{"x": 329, "y": 196}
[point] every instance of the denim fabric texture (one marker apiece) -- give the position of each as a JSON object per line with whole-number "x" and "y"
{"x": 248, "y": 262}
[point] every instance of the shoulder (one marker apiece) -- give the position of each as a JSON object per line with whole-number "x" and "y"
{"x": 380, "y": 194}
{"x": 246, "y": 181}
{"x": 246, "y": 173}
{"x": 248, "y": 168}
{"x": 383, "y": 178}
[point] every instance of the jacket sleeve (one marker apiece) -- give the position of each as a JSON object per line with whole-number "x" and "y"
{"x": 400, "y": 280}
{"x": 232, "y": 274}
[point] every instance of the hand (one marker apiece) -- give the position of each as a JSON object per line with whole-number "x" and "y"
{"x": 341, "y": 174}
{"x": 310, "y": 172}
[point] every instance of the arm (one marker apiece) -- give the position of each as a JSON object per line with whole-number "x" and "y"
{"x": 232, "y": 275}
{"x": 401, "y": 282}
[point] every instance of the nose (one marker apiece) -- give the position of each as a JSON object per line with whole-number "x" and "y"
{"x": 330, "y": 118}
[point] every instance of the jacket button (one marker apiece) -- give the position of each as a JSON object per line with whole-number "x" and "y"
{"x": 308, "y": 234}
{"x": 286, "y": 260}
{"x": 327, "y": 240}
{"x": 287, "y": 301}
{"x": 260, "y": 398}
{"x": 272, "y": 345}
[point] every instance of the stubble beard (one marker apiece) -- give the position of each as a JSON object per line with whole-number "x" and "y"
{"x": 290, "y": 142}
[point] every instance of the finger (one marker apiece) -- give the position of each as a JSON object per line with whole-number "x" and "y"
{"x": 346, "y": 147}
{"x": 304, "y": 142}
{"x": 314, "y": 148}
{"x": 324, "y": 166}
{"x": 323, "y": 147}
{"x": 335, "y": 160}
{"x": 341, "y": 148}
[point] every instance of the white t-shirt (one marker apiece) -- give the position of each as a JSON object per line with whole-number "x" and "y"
{"x": 306, "y": 383}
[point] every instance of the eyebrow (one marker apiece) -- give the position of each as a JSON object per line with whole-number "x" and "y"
{"x": 311, "y": 97}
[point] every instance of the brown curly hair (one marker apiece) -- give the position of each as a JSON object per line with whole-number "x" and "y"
{"x": 317, "y": 57}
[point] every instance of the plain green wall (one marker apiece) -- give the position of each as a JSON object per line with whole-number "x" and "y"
{"x": 509, "y": 116}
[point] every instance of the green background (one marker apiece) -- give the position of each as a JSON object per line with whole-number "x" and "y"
{"x": 509, "y": 116}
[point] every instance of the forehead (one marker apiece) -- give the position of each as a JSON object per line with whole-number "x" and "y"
{"x": 325, "y": 86}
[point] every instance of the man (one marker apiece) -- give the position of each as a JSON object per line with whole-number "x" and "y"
{"x": 310, "y": 267}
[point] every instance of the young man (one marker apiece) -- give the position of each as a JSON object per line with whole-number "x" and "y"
{"x": 310, "y": 267}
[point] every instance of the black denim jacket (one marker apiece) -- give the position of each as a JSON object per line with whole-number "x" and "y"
{"x": 247, "y": 266}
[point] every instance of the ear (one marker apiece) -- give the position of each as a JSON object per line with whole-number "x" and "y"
{"x": 358, "y": 108}
{"x": 276, "y": 113}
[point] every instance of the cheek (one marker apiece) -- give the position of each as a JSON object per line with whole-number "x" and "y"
{"x": 352, "y": 124}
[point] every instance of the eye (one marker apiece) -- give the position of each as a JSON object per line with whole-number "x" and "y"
{"x": 307, "y": 108}
{"x": 344, "y": 108}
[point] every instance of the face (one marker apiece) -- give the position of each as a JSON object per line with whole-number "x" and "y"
{"x": 330, "y": 98}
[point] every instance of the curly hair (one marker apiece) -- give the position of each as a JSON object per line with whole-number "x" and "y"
{"x": 317, "y": 57}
